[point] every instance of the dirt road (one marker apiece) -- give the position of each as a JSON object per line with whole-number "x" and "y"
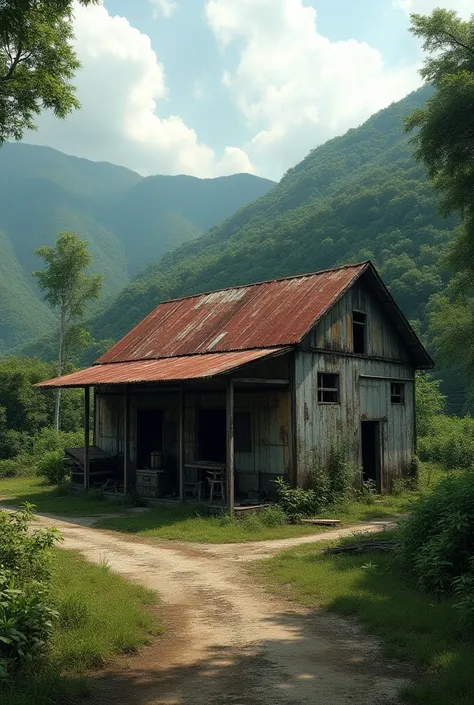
{"x": 228, "y": 642}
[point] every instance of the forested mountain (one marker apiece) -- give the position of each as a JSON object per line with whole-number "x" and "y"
{"x": 357, "y": 197}
{"x": 128, "y": 221}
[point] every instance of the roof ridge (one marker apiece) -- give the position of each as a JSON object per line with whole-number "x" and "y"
{"x": 265, "y": 281}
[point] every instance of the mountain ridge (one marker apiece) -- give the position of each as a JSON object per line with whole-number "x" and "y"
{"x": 126, "y": 218}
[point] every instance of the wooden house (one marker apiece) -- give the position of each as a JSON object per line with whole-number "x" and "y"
{"x": 246, "y": 384}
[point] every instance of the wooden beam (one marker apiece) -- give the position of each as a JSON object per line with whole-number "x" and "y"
{"x": 126, "y": 425}
{"x": 391, "y": 379}
{"x": 181, "y": 444}
{"x": 230, "y": 445}
{"x": 87, "y": 407}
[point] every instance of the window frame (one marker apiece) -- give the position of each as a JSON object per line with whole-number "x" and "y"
{"x": 361, "y": 324}
{"x": 324, "y": 387}
{"x": 397, "y": 398}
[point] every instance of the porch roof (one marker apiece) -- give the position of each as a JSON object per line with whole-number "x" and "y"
{"x": 165, "y": 370}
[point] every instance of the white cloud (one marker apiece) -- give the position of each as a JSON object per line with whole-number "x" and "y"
{"x": 164, "y": 8}
{"x": 294, "y": 87}
{"x": 425, "y": 7}
{"x": 120, "y": 86}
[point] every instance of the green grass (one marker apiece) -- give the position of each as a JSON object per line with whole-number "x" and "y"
{"x": 50, "y": 499}
{"x": 100, "y": 615}
{"x": 411, "y": 626}
{"x": 185, "y": 524}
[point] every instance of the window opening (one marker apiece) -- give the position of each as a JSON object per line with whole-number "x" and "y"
{"x": 359, "y": 332}
{"x": 328, "y": 388}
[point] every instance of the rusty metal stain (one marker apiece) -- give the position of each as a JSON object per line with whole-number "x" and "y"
{"x": 267, "y": 314}
{"x": 167, "y": 369}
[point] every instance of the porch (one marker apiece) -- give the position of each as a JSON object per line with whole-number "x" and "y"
{"x": 221, "y": 442}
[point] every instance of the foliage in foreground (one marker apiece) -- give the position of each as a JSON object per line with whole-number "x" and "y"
{"x": 26, "y": 612}
{"x": 437, "y": 545}
{"x": 100, "y": 614}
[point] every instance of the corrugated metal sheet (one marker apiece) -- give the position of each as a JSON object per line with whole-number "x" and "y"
{"x": 269, "y": 314}
{"x": 168, "y": 369}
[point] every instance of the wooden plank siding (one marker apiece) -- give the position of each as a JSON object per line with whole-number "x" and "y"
{"x": 364, "y": 389}
{"x": 334, "y": 331}
{"x": 270, "y": 426}
{"x": 361, "y": 399}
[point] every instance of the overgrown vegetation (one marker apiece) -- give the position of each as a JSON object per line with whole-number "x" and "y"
{"x": 330, "y": 485}
{"x": 60, "y": 616}
{"x": 437, "y": 546}
{"x": 26, "y": 611}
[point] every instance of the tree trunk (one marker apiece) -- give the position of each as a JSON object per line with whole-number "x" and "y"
{"x": 57, "y": 405}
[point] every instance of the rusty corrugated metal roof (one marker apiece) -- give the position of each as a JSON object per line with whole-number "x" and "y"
{"x": 164, "y": 370}
{"x": 268, "y": 314}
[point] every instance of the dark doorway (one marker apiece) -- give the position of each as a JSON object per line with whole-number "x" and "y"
{"x": 149, "y": 435}
{"x": 212, "y": 433}
{"x": 370, "y": 437}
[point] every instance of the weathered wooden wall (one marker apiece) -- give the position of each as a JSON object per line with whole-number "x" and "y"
{"x": 364, "y": 389}
{"x": 270, "y": 422}
{"x": 361, "y": 399}
{"x": 334, "y": 331}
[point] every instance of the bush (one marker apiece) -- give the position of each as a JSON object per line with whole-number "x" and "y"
{"x": 273, "y": 515}
{"x": 437, "y": 539}
{"x": 48, "y": 439}
{"x": 26, "y": 615}
{"x": 52, "y": 467}
{"x": 450, "y": 442}
{"x": 328, "y": 485}
{"x": 297, "y": 503}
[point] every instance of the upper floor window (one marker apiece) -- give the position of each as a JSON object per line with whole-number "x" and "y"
{"x": 397, "y": 393}
{"x": 328, "y": 388}
{"x": 359, "y": 332}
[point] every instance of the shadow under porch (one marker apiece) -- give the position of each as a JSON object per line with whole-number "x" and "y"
{"x": 178, "y": 440}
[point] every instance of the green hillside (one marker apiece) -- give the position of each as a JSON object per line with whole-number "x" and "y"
{"x": 128, "y": 221}
{"x": 357, "y": 197}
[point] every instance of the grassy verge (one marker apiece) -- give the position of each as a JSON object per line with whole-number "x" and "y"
{"x": 32, "y": 489}
{"x": 411, "y": 626}
{"x": 185, "y": 524}
{"x": 100, "y": 615}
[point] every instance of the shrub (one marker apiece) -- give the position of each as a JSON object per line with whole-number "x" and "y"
{"x": 26, "y": 615}
{"x": 48, "y": 439}
{"x": 273, "y": 515}
{"x": 341, "y": 474}
{"x": 26, "y": 620}
{"x": 297, "y": 503}
{"x": 437, "y": 539}
{"x": 9, "y": 468}
{"x": 52, "y": 467}
{"x": 450, "y": 442}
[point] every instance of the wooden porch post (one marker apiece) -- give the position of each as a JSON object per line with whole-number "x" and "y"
{"x": 230, "y": 445}
{"x": 181, "y": 443}
{"x": 125, "y": 440}
{"x": 87, "y": 405}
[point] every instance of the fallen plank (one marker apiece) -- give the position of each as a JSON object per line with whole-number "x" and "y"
{"x": 322, "y": 522}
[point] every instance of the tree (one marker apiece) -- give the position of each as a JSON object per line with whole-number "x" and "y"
{"x": 445, "y": 144}
{"x": 37, "y": 63}
{"x": 68, "y": 289}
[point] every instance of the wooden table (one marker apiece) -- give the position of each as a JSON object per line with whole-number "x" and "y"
{"x": 194, "y": 477}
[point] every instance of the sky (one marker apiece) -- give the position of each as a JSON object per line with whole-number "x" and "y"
{"x": 216, "y": 87}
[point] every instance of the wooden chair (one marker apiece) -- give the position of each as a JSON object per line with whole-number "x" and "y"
{"x": 216, "y": 482}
